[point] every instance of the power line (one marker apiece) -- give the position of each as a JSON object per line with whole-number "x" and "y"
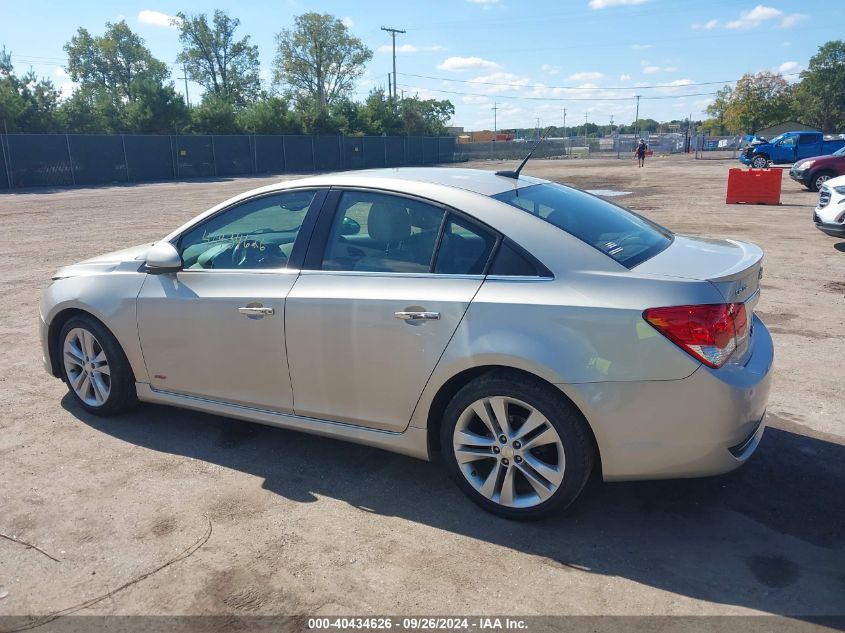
{"x": 650, "y": 87}
{"x": 501, "y": 96}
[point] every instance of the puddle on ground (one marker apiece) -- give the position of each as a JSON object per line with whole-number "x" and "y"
{"x": 608, "y": 193}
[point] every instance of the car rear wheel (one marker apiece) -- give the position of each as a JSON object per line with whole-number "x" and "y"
{"x": 516, "y": 446}
{"x": 95, "y": 367}
{"x": 819, "y": 179}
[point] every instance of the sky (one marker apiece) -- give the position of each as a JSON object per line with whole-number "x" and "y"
{"x": 531, "y": 60}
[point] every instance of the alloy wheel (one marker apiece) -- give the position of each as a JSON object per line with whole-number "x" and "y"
{"x": 87, "y": 367}
{"x": 509, "y": 452}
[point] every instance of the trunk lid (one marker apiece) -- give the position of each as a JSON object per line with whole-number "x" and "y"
{"x": 732, "y": 266}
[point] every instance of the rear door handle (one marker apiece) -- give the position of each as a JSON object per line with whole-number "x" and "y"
{"x": 417, "y": 316}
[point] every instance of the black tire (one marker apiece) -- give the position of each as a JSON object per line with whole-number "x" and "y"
{"x": 819, "y": 179}
{"x": 570, "y": 425}
{"x": 121, "y": 396}
{"x": 760, "y": 162}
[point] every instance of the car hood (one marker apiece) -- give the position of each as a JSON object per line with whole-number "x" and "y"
{"x": 126, "y": 258}
{"x": 732, "y": 266}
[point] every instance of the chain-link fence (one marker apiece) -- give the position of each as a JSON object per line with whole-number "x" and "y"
{"x": 717, "y": 147}
{"x": 616, "y": 146}
{"x": 35, "y": 160}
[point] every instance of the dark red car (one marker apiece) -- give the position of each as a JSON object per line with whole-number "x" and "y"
{"x": 814, "y": 172}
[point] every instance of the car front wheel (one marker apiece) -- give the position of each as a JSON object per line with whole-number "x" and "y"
{"x": 516, "y": 446}
{"x": 95, "y": 367}
{"x": 760, "y": 162}
{"x": 819, "y": 179}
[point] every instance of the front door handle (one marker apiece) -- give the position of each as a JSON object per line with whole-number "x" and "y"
{"x": 256, "y": 311}
{"x": 417, "y": 316}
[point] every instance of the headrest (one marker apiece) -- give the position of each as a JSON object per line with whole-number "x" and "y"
{"x": 388, "y": 223}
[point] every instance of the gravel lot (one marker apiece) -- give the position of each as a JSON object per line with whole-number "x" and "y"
{"x": 304, "y": 525}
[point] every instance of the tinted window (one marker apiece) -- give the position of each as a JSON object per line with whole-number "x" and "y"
{"x": 618, "y": 233}
{"x": 464, "y": 248}
{"x": 511, "y": 262}
{"x": 807, "y": 139}
{"x": 382, "y": 233}
{"x": 256, "y": 234}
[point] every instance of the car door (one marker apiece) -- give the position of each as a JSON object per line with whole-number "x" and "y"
{"x": 215, "y": 329}
{"x": 372, "y": 312}
{"x": 808, "y": 146}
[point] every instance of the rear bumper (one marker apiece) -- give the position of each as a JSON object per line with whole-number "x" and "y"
{"x": 706, "y": 424}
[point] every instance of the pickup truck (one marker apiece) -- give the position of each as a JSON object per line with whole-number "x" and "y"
{"x": 788, "y": 148}
{"x": 814, "y": 172}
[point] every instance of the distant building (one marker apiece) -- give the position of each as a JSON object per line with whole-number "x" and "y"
{"x": 485, "y": 136}
{"x": 787, "y": 126}
{"x": 455, "y": 130}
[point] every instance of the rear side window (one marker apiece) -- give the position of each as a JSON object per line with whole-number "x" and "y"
{"x": 464, "y": 248}
{"x": 511, "y": 262}
{"x": 619, "y": 233}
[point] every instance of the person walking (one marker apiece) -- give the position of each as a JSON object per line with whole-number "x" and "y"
{"x": 640, "y": 152}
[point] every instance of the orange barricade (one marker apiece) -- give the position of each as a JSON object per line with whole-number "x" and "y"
{"x": 754, "y": 186}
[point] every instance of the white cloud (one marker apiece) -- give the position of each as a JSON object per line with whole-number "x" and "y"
{"x": 670, "y": 69}
{"x": 650, "y": 70}
{"x": 60, "y": 72}
{"x": 505, "y": 82}
{"x": 586, "y": 76}
{"x": 624, "y": 77}
{"x": 409, "y": 48}
{"x": 549, "y": 69}
{"x": 788, "y": 21}
{"x": 642, "y": 47}
{"x": 710, "y": 24}
{"x": 788, "y": 68}
{"x": 348, "y": 22}
{"x": 460, "y": 64}
{"x": 156, "y": 18}
{"x": 603, "y": 4}
{"x": 754, "y": 18}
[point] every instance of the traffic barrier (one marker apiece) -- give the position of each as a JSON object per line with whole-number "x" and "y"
{"x": 754, "y": 186}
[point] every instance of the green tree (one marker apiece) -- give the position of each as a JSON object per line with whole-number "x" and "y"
{"x": 425, "y": 117}
{"x": 757, "y": 101}
{"x": 319, "y": 61}
{"x": 717, "y": 109}
{"x": 27, "y": 103}
{"x": 113, "y": 61}
{"x": 215, "y": 115}
{"x": 268, "y": 115}
{"x": 224, "y": 66}
{"x": 820, "y": 95}
{"x": 380, "y": 115}
{"x": 157, "y": 110}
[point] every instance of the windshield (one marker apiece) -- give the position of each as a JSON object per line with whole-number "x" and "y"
{"x": 617, "y": 232}
{"x": 777, "y": 138}
{"x": 840, "y": 151}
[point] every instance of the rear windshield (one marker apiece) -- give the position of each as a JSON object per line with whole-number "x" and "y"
{"x": 617, "y": 232}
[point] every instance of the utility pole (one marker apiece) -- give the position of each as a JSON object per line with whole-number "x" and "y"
{"x": 538, "y": 127}
{"x": 393, "y": 33}
{"x": 585, "y": 133}
{"x": 495, "y": 129}
{"x": 564, "y": 131}
{"x": 637, "y": 121}
{"x": 185, "y": 73}
{"x": 389, "y": 87}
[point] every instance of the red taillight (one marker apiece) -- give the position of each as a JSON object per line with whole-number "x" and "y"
{"x": 710, "y": 333}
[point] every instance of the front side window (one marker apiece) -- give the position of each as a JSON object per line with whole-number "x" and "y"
{"x": 617, "y": 232}
{"x": 376, "y": 232}
{"x": 256, "y": 234}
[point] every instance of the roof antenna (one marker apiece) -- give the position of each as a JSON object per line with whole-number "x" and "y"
{"x": 515, "y": 174}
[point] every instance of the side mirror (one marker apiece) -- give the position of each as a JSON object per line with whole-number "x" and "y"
{"x": 350, "y": 227}
{"x": 163, "y": 258}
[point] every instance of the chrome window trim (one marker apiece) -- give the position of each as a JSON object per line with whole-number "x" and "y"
{"x": 371, "y": 273}
{"x": 242, "y": 271}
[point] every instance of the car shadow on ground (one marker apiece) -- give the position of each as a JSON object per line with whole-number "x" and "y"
{"x": 840, "y": 246}
{"x": 769, "y": 536}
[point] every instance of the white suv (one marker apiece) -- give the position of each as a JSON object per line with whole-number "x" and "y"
{"x": 829, "y": 215}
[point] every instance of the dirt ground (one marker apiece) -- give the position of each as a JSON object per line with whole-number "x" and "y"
{"x": 304, "y": 525}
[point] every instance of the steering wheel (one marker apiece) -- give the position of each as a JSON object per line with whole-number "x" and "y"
{"x": 252, "y": 253}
